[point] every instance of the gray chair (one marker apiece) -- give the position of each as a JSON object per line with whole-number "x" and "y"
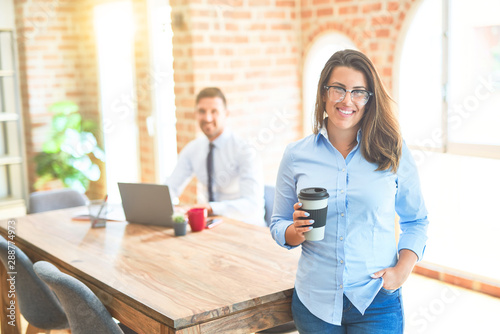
{"x": 85, "y": 312}
{"x": 56, "y": 199}
{"x": 269, "y": 203}
{"x": 37, "y": 303}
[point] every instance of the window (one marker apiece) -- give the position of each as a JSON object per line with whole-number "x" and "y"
{"x": 162, "y": 72}
{"x": 449, "y": 93}
{"x": 118, "y": 107}
{"x": 474, "y": 77}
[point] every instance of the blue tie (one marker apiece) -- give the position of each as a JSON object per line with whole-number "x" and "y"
{"x": 210, "y": 172}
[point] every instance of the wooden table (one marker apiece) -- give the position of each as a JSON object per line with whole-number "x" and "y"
{"x": 230, "y": 279}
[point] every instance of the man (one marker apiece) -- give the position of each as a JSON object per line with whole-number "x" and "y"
{"x": 237, "y": 190}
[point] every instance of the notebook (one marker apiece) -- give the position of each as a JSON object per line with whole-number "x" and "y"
{"x": 148, "y": 204}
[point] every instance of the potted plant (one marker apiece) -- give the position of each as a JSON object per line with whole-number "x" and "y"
{"x": 67, "y": 155}
{"x": 180, "y": 224}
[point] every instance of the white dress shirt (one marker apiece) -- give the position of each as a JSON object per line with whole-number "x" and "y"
{"x": 238, "y": 186}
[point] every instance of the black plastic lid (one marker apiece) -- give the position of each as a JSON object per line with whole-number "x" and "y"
{"x": 313, "y": 193}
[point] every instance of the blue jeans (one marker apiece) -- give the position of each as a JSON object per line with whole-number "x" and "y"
{"x": 383, "y": 316}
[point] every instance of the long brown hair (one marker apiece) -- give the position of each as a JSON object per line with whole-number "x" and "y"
{"x": 381, "y": 140}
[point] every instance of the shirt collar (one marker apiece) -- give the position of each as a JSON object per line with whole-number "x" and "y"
{"x": 224, "y": 136}
{"x": 324, "y": 132}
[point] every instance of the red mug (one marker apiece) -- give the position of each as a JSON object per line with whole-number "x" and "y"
{"x": 197, "y": 218}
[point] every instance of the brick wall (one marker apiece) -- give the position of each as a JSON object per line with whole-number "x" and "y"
{"x": 252, "y": 49}
{"x": 373, "y": 26}
{"x": 58, "y": 61}
{"x": 50, "y": 67}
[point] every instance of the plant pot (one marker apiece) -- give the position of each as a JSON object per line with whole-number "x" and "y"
{"x": 180, "y": 229}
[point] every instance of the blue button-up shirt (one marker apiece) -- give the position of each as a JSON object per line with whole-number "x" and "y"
{"x": 360, "y": 231}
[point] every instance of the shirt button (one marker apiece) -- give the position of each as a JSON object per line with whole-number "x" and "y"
{"x": 341, "y": 286}
{"x": 342, "y": 214}
{"x": 342, "y": 191}
{"x": 341, "y": 261}
{"x": 343, "y": 169}
{"x": 341, "y": 238}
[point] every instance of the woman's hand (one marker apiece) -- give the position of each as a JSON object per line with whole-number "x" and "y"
{"x": 294, "y": 234}
{"x": 394, "y": 277}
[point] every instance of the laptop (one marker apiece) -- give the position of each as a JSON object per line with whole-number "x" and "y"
{"x": 147, "y": 204}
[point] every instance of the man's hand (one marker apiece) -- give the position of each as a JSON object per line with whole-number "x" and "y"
{"x": 207, "y": 206}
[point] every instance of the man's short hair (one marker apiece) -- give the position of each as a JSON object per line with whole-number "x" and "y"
{"x": 211, "y": 92}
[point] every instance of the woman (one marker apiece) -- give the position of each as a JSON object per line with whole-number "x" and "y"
{"x": 350, "y": 281}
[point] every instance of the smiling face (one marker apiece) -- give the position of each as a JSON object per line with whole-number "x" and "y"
{"x": 211, "y": 114}
{"x": 345, "y": 116}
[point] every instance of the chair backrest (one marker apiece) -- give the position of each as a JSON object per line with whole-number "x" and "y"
{"x": 269, "y": 202}
{"x": 85, "y": 312}
{"x": 36, "y": 301}
{"x": 56, "y": 199}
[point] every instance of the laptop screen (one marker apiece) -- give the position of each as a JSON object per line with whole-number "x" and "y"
{"x": 145, "y": 203}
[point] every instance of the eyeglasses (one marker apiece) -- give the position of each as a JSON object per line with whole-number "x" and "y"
{"x": 358, "y": 96}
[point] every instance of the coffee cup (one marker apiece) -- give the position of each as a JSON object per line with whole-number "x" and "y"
{"x": 315, "y": 202}
{"x": 197, "y": 218}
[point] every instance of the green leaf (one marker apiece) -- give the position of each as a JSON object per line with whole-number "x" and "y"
{"x": 89, "y": 125}
{"x": 66, "y": 155}
{"x": 78, "y": 144}
{"x": 99, "y": 154}
{"x": 82, "y": 164}
{"x": 74, "y": 121}
{"x": 59, "y": 123}
{"x": 51, "y": 146}
{"x": 63, "y": 108}
{"x": 93, "y": 173}
{"x": 76, "y": 184}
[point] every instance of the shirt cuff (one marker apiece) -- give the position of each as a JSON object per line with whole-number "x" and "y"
{"x": 413, "y": 243}
{"x": 218, "y": 208}
{"x": 278, "y": 233}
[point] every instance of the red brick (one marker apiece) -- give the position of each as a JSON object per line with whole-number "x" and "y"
{"x": 286, "y": 3}
{"x": 238, "y": 15}
{"x": 382, "y": 20}
{"x": 348, "y": 10}
{"x": 260, "y": 62}
{"x": 281, "y": 26}
{"x": 459, "y": 281}
{"x": 231, "y": 27}
{"x": 270, "y": 38}
{"x": 258, "y": 26}
{"x": 222, "y": 77}
{"x": 203, "y": 51}
{"x": 490, "y": 289}
{"x": 373, "y": 7}
{"x": 382, "y": 33}
{"x": 393, "y": 5}
{"x": 252, "y": 3}
{"x": 274, "y": 15}
{"x": 324, "y": 12}
{"x": 225, "y": 51}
